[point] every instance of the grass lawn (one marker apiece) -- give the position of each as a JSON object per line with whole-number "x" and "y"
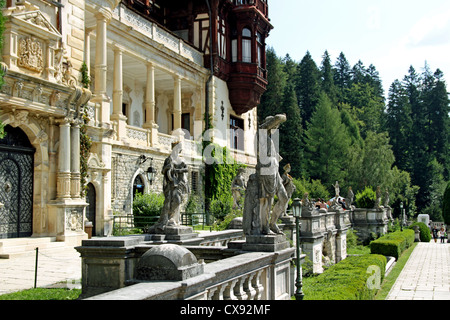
{"x": 43, "y": 294}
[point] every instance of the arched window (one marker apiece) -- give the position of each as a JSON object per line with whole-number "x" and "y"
{"x": 246, "y": 45}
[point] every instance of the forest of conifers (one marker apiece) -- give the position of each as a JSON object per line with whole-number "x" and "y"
{"x": 341, "y": 127}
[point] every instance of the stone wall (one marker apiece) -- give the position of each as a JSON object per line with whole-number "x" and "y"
{"x": 370, "y": 221}
{"x": 323, "y": 236}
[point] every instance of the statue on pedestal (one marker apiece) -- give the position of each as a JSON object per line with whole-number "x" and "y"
{"x": 265, "y": 184}
{"x": 288, "y": 184}
{"x": 175, "y": 187}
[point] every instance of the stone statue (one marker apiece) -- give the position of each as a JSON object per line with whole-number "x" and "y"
{"x": 335, "y": 204}
{"x": 336, "y": 189}
{"x": 265, "y": 184}
{"x": 238, "y": 188}
{"x": 378, "y": 198}
{"x": 288, "y": 183}
{"x": 175, "y": 187}
{"x": 349, "y": 198}
{"x": 386, "y": 199}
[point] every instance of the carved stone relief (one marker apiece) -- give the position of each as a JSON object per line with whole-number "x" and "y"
{"x": 31, "y": 54}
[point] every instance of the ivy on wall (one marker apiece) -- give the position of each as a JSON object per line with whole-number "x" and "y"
{"x": 85, "y": 139}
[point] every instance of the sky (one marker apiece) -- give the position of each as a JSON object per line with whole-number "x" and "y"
{"x": 390, "y": 34}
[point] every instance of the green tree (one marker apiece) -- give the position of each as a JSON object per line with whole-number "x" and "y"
{"x": 446, "y": 205}
{"x": 308, "y": 88}
{"x": 327, "y": 76}
{"x": 326, "y": 144}
{"x": 342, "y": 75}
{"x": 438, "y": 133}
{"x": 291, "y": 133}
{"x": 276, "y": 77}
{"x": 366, "y": 107}
{"x": 398, "y": 124}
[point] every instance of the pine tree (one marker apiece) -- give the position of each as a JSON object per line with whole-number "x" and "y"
{"x": 342, "y": 74}
{"x": 439, "y": 122}
{"x": 273, "y": 96}
{"x": 398, "y": 124}
{"x": 308, "y": 87}
{"x": 291, "y": 133}
{"x": 327, "y": 77}
{"x": 326, "y": 143}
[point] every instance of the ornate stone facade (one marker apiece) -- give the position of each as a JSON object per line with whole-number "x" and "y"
{"x": 147, "y": 88}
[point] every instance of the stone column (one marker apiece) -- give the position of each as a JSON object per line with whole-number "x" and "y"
{"x": 63, "y": 175}
{"x": 150, "y": 103}
{"x": 117, "y": 115}
{"x": 103, "y": 16}
{"x": 177, "y": 103}
{"x": 75, "y": 181}
{"x": 118, "y": 82}
{"x": 150, "y": 96}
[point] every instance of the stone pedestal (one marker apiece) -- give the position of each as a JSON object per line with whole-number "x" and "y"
{"x": 265, "y": 243}
{"x": 177, "y": 235}
{"x": 66, "y": 221}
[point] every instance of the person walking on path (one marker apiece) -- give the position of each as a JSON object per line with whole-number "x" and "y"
{"x": 442, "y": 234}
{"x": 435, "y": 233}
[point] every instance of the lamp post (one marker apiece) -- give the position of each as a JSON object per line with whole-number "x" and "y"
{"x": 297, "y": 213}
{"x": 401, "y": 216}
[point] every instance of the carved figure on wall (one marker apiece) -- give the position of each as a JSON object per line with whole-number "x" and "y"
{"x": 175, "y": 188}
{"x": 238, "y": 188}
{"x": 265, "y": 184}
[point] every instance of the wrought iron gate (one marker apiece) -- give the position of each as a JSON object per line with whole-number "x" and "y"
{"x": 16, "y": 184}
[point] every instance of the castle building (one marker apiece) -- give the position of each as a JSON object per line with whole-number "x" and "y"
{"x": 131, "y": 77}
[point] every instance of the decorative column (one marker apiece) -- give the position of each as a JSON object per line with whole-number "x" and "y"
{"x": 150, "y": 102}
{"x": 177, "y": 107}
{"x": 117, "y": 82}
{"x": 117, "y": 115}
{"x": 103, "y": 16}
{"x": 63, "y": 175}
{"x": 150, "y": 96}
{"x": 75, "y": 183}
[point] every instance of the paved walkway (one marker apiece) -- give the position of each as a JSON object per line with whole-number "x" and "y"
{"x": 426, "y": 275}
{"x": 55, "y": 266}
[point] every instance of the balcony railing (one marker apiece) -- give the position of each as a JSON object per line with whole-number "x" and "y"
{"x": 156, "y": 33}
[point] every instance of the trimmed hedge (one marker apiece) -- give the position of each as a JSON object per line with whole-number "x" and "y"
{"x": 425, "y": 235}
{"x": 351, "y": 279}
{"x": 393, "y": 244}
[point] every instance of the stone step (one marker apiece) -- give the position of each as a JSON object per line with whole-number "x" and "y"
{"x": 12, "y": 248}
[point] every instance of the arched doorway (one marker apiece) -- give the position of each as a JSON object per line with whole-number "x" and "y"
{"x": 16, "y": 184}
{"x": 91, "y": 208}
{"x": 138, "y": 186}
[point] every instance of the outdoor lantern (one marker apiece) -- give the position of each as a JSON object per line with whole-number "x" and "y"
{"x": 297, "y": 208}
{"x": 151, "y": 172}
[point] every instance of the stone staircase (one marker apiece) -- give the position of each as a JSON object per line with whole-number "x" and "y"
{"x": 12, "y": 248}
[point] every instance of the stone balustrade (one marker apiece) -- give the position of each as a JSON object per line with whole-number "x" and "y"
{"x": 248, "y": 276}
{"x": 323, "y": 235}
{"x": 109, "y": 270}
{"x": 156, "y": 33}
